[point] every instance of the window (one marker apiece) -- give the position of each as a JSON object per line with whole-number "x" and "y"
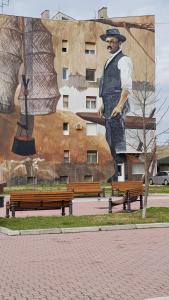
{"x": 91, "y": 129}
{"x": 164, "y": 173}
{"x": 64, "y": 179}
{"x": 66, "y": 128}
{"x": 65, "y": 73}
{"x": 92, "y": 157}
{"x": 65, "y": 101}
{"x": 90, "y": 74}
{"x": 90, "y": 48}
{"x": 66, "y": 156}
{"x": 91, "y": 102}
{"x": 138, "y": 169}
{"x": 88, "y": 178}
{"x": 64, "y": 46}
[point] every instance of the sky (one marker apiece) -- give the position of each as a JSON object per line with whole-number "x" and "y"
{"x": 88, "y": 10}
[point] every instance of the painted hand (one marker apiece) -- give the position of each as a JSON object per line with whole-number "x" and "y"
{"x": 116, "y": 111}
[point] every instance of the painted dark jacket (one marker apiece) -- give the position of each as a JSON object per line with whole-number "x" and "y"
{"x": 110, "y": 91}
{"x": 110, "y": 81}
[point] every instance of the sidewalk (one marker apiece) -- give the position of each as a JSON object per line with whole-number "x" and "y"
{"x": 109, "y": 265}
{"x": 115, "y": 265}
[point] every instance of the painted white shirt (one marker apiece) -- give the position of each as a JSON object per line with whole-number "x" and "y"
{"x": 126, "y": 68}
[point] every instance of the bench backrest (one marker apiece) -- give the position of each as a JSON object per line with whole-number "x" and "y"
{"x": 127, "y": 185}
{"x": 75, "y": 186}
{"x": 41, "y": 196}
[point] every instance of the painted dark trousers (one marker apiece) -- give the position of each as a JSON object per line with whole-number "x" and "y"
{"x": 115, "y": 127}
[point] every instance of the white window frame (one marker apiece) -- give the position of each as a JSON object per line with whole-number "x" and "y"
{"x": 66, "y": 131}
{"x": 94, "y": 152}
{"x": 90, "y": 125}
{"x": 66, "y": 158}
{"x": 90, "y": 100}
{"x": 88, "y": 176}
{"x": 89, "y": 51}
{"x": 65, "y": 102}
{"x": 139, "y": 172}
{"x": 94, "y": 75}
{"x": 67, "y": 73}
{"x": 66, "y": 43}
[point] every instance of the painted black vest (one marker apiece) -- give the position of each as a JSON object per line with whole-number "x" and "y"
{"x": 110, "y": 81}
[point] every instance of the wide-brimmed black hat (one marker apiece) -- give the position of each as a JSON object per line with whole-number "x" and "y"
{"x": 113, "y": 32}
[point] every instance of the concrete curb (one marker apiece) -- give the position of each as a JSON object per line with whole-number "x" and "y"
{"x": 10, "y": 232}
{"x": 161, "y": 298}
{"x": 7, "y": 231}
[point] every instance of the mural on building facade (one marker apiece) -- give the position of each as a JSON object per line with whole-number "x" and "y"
{"x": 63, "y": 61}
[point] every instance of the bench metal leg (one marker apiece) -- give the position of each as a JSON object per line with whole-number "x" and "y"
{"x": 104, "y": 194}
{"x": 141, "y": 201}
{"x": 7, "y": 209}
{"x": 1, "y": 201}
{"x": 63, "y": 210}
{"x": 13, "y": 210}
{"x": 128, "y": 202}
{"x": 124, "y": 206}
{"x": 110, "y": 205}
{"x": 128, "y": 205}
{"x": 70, "y": 209}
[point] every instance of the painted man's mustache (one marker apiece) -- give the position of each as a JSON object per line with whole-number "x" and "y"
{"x": 109, "y": 47}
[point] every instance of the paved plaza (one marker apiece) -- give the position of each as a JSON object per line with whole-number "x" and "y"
{"x": 116, "y": 265}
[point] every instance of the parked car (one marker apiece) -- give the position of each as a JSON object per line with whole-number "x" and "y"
{"x": 161, "y": 178}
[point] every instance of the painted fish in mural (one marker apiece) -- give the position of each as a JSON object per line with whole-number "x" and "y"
{"x": 26, "y": 48}
{"x": 10, "y": 60}
{"x": 27, "y": 40}
{"x": 38, "y": 57}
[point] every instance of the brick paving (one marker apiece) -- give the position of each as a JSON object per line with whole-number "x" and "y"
{"x": 116, "y": 265}
{"x": 122, "y": 265}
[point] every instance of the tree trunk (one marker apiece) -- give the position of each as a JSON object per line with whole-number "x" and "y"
{"x": 146, "y": 164}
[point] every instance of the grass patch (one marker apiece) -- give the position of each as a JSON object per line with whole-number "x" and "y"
{"x": 160, "y": 189}
{"x": 34, "y": 187}
{"x": 154, "y": 215}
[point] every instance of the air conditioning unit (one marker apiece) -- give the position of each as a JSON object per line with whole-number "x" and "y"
{"x": 79, "y": 126}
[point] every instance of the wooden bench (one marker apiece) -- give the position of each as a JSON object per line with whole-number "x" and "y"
{"x": 39, "y": 201}
{"x": 86, "y": 188}
{"x": 126, "y": 192}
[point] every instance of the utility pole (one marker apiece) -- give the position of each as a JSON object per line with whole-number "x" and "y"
{"x": 3, "y": 3}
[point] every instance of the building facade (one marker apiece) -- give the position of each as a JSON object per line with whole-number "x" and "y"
{"x": 73, "y": 148}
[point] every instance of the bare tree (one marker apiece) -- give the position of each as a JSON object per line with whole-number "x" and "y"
{"x": 150, "y": 105}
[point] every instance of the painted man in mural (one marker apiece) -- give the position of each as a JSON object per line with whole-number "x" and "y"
{"x": 115, "y": 87}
